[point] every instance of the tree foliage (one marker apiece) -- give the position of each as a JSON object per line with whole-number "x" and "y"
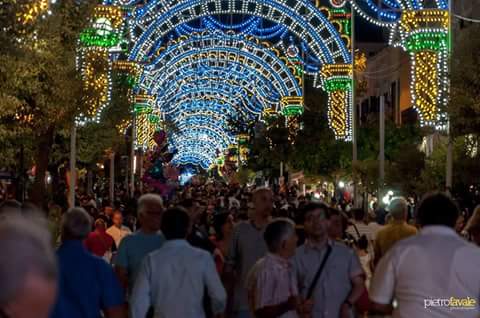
{"x": 464, "y": 106}
{"x": 40, "y": 88}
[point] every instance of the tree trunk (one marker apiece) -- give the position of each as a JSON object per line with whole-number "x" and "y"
{"x": 39, "y": 189}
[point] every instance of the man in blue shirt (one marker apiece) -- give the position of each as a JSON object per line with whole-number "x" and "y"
{"x": 134, "y": 248}
{"x": 87, "y": 284}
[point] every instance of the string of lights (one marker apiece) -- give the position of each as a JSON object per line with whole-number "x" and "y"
{"x": 158, "y": 16}
{"x": 200, "y": 71}
{"x": 422, "y": 29}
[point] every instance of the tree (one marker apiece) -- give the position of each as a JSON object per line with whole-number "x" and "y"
{"x": 313, "y": 149}
{"x": 40, "y": 89}
{"x": 464, "y": 106}
{"x": 403, "y": 159}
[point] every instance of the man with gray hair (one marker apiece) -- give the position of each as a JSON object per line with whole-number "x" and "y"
{"x": 87, "y": 285}
{"x": 28, "y": 269}
{"x": 271, "y": 284}
{"x": 396, "y": 230}
{"x": 148, "y": 238}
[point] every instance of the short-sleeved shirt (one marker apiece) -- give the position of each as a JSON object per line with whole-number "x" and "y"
{"x": 421, "y": 271}
{"x": 118, "y": 233}
{"x": 133, "y": 249}
{"x": 247, "y": 247}
{"x": 391, "y": 234}
{"x": 272, "y": 281}
{"x": 98, "y": 243}
{"x": 87, "y": 284}
{"x": 335, "y": 282}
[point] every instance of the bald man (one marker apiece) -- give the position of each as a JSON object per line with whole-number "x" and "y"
{"x": 396, "y": 230}
{"x": 247, "y": 247}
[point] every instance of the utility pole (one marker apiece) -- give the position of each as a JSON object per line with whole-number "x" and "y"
{"x": 112, "y": 178}
{"x": 140, "y": 170}
{"x": 127, "y": 172}
{"x": 133, "y": 162}
{"x": 449, "y": 163}
{"x": 381, "y": 156}
{"x": 73, "y": 164}
{"x": 354, "y": 117}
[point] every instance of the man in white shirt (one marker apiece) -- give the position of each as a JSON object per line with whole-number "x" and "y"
{"x": 175, "y": 278}
{"x": 434, "y": 274}
{"x": 118, "y": 231}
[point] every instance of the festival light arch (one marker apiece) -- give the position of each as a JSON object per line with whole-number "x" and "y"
{"x": 173, "y": 64}
{"x": 301, "y": 17}
{"x": 421, "y": 28}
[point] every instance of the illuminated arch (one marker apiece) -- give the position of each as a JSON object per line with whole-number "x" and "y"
{"x": 217, "y": 133}
{"x": 193, "y": 158}
{"x": 221, "y": 50}
{"x": 421, "y": 28}
{"x": 254, "y": 83}
{"x": 211, "y": 91}
{"x": 301, "y": 17}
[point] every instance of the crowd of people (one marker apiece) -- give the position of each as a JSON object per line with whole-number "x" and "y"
{"x": 213, "y": 250}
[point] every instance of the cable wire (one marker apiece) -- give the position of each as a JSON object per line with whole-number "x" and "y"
{"x": 466, "y": 18}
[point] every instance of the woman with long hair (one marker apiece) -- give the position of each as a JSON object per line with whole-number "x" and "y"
{"x": 223, "y": 226}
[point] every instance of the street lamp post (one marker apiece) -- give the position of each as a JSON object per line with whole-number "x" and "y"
{"x": 449, "y": 163}
{"x": 112, "y": 177}
{"x": 73, "y": 172}
{"x": 133, "y": 162}
{"x": 354, "y": 117}
{"x": 381, "y": 159}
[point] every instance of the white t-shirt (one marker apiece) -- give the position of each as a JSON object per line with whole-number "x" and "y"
{"x": 423, "y": 272}
{"x": 118, "y": 233}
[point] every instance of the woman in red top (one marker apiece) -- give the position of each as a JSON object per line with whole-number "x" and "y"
{"x": 223, "y": 225}
{"x": 99, "y": 242}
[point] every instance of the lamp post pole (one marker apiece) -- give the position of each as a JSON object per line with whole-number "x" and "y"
{"x": 381, "y": 159}
{"x": 354, "y": 118}
{"x": 73, "y": 168}
{"x": 112, "y": 178}
{"x": 133, "y": 162}
{"x": 449, "y": 163}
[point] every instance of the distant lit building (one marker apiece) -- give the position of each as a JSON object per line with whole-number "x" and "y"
{"x": 387, "y": 74}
